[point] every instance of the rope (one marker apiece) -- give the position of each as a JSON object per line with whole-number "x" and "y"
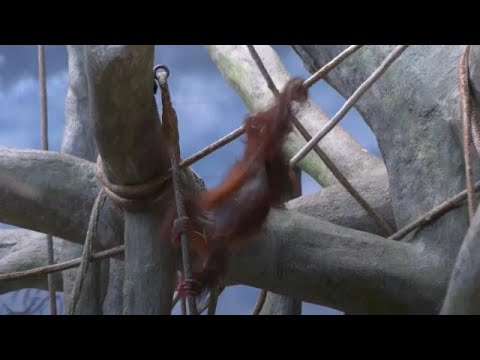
{"x": 87, "y": 252}
{"x": 170, "y": 128}
{"x": 134, "y": 197}
{"x": 435, "y": 213}
{"x": 320, "y": 74}
{"x": 466, "y": 110}
{"x": 349, "y": 103}
{"x": 69, "y": 264}
{"x": 323, "y": 156}
{"x": 44, "y": 134}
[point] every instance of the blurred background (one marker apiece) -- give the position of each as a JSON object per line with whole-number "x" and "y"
{"x": 207, "y": 109}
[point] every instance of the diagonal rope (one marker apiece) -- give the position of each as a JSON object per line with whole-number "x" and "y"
{"x": 337, "y": 60}
{"x": 323, "y": 156}
{"x": 466, "y": 110}
{"x": 87, "y": 252}
{"x": 349, "y": 103}
{"x": 44, "y": 134}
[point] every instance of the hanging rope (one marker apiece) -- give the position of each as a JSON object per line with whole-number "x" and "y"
{"x": 44, "y": 135}
{"x": 87, "y": 252}
{"x": 466, "y": 111}
{"x": 170, "y": 127}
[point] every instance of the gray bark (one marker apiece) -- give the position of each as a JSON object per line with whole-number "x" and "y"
{"x": 332, "y": 204}
{"x": 326, "y": 264}
{"x": 24, "y": 249}
{"x": 463, "y": 294}
{"x": 129, "y": 139}
{"x": 414, "y": 112}
{"x": 276, "y": 304}
{"x": 78, "y": 140}
{"x": 352, "y": 271}
{"x": 49, "y": 192}
{"x": 371, "y": 262}
{"x": 336, "y": 205}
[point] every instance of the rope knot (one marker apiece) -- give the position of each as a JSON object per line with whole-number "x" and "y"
{"x": 134, "y": 197}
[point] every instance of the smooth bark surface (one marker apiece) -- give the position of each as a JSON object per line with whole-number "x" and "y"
{"x": 345, "y": 269}
{"x": 24, "y": 249}
{"x": 47, "y": 192}
{"x": 463, "y": 294}
{"x": 336, "y": 205}
{"x": 78, "y": 140}
{"x": 277, "y": 304}
{"x": 310, "y": 259}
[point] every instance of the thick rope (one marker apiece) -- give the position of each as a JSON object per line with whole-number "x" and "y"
{"x": 134, "y": 197}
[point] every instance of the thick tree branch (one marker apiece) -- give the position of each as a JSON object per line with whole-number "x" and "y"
{"x": 239, "y": 69}
{"x": 348, "y": 270}
{"x": 336, "y": 205}
{"x": 332, "y": 204}
{"x": 463, "y": 294}
{"x": 130, "y": 141}
{"x": 307, "y": 258}
{"x": 51, "y": 193}
{"x": 21, "y": 250}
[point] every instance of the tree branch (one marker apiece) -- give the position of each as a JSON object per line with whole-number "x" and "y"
{"x": 132, "y": 146}
{"x": 52, "y": 193}
{"x": 239, "y": 69}
{"x": 21, "y": 250}
{"x": 336, "y": 205}
{"x": 352, "y": 271}
{"x": 326, "y": 264}
{"x": 463, "y": 294}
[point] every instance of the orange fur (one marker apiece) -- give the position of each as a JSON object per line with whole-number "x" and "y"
{"x": 227, "y": 218}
